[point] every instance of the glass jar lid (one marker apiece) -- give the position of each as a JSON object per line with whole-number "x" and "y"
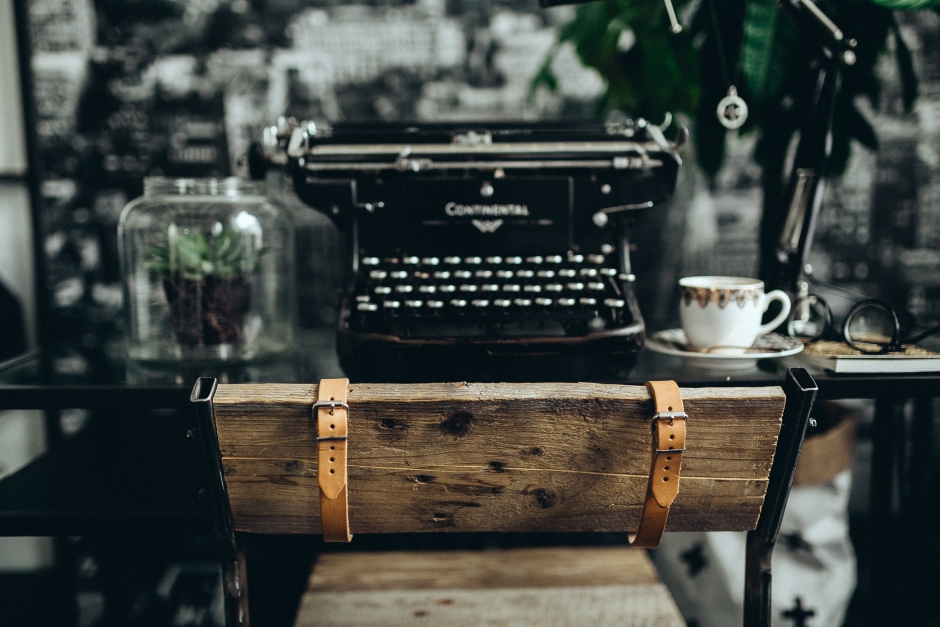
{"x": 230, "y": 187}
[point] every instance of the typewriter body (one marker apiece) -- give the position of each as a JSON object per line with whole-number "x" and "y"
{"x": 479, "y": 242}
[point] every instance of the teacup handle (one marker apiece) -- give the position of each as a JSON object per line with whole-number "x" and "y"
{"x": 784, "y": 301}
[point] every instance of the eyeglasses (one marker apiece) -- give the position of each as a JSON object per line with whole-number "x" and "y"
{"x": 872, "y": 326}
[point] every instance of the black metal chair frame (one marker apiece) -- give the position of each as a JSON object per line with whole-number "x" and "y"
{"x": 800, "y": 390}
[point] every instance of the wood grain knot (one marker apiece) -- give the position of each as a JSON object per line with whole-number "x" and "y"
{"x": 389, "y": 424}
{"x": 458, "y": 425}
{"x": 497, "y": 466}
{"x": 421, "y": 479}
{"x": 543, "y": 496}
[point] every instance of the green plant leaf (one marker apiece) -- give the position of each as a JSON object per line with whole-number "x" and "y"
{"x": 761, "y": 64}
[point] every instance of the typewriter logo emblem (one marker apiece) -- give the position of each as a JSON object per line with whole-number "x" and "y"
{"x": 487, "y": 226}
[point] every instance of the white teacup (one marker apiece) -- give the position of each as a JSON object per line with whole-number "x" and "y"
{"x": 724, "y": 312}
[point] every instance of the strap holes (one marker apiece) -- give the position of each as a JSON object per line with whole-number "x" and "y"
{"x": 671, "y": 437}
{"x": 332, "y": 472}
{"x": 334, "y": 426}
{"x": 664, "y": 478}
{"x": 667, "y": 409}
{"x": 668, "y": 457}
{"x": 333, "y": 448}
{"x": 333, "y": 460}
{"x": 664, "y": 467}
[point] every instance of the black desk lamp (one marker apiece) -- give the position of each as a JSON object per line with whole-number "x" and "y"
{"x": 805, "y": 187}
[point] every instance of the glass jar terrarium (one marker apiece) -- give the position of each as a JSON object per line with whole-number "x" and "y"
{"x": 208, "y": 272}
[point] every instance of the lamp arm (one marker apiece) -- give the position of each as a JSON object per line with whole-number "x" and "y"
{"x": 805, "y": 186}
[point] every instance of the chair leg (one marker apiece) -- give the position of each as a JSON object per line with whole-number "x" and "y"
{"x": 235, "y": 588}
{"x": 801, "y": 392}
{"x": 234, "y": 577}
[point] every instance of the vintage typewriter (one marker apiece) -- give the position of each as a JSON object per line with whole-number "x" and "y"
{"x": 472, "y": 242}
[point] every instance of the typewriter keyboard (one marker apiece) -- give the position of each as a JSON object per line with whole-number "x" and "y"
{"x": 489, "y": 296}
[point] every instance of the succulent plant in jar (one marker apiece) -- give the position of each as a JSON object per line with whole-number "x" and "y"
{"x": 207, "y": 281}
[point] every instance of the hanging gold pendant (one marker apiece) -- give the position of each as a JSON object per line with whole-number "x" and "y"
{"x": 732, "y": 110}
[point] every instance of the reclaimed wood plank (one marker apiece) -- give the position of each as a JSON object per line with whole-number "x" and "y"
{"x": 494, "y": 457}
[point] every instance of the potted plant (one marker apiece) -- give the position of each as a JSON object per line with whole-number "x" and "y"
{"x": 207, "y": 279}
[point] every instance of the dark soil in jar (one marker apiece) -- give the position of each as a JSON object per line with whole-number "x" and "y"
{"x": 208, "y": 311}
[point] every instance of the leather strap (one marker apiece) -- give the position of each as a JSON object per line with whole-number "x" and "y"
{"x": 668, "y": 444}
{"x": 331, "y": 415}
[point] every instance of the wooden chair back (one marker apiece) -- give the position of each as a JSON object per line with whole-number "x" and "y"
{"x": 505, "y": 457}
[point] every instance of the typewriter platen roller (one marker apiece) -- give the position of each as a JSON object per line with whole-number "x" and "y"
{"x": 473, "y": 242}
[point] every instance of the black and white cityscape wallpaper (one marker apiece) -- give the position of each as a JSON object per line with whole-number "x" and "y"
{"x": 131, "y": 88}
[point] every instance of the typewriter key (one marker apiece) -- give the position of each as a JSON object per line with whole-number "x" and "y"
{"x": 553, "y": 287}
{"x": 629, "y": 278}
{"x": 534, "y": 260}
{"x": 511, "y": 288}
{"x": 411, "y": 261}
{"x": 430, "y": 261}
{"x": 494, "y": 260}
{"x": 475, "y": 261}
{"x": 588, "y": 271}
{"x": 414, "y": 304}
{"x": 546, "y": 274}
{"x": 468, "y": 288}
{"x": 513, "y": 260}
{"x": 544, "y": 302}
{"x": 598, "y": 259}
{"x": 608, "y": 272}
{"x": 504, "y": 274}
{"x": 490, "y": 287}
{"x": 458, "y": 303}
{"x": 399, "y": 274}
{"x": 463, "y": 274}
{"x": 566, "y": 302}
{"x": 390, "y": 260}
{"x": 362, "y": 298}
{"x": 392, "y": 304}
{"x": 575, "y": 287}
{"x": 447, "y": 288}
{"x": 614, "y": 302}
{"x": 525, "y": 274}
{"x": 597, "y": 287}
{"x": 435, "y": 304}
{"x": 522, "y": 302}
{"x": 481, "y": 303}
{"x": 404, "y": 289}
{"x": 427, "y": 289}
{"x": 378, "y": 274}
{"x": 383, "y": 289}
{"x": 483, "y": 274}
{"x": 442, "y": 274}
{"x": 567, "y": 272}
{"x": 554, "y": 259}
{"x": 452, "y": 260}
{"x": 502, "y": 302}
{"x": 367, "y": 307}
{"x": 423, "y": 275}
{"x": 590, "y": 302}
{"x": 533, "y": 288}
{"x": 576, "y": 258}
{"x": 370, "y": 261}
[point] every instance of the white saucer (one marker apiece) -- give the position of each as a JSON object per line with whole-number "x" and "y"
{"x": 672, "y": 341}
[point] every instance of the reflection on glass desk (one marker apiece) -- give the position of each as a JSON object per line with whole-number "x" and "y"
{"x": 73, "y": 376}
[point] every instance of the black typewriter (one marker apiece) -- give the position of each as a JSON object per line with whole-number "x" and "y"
{"x": 474, "y": 242}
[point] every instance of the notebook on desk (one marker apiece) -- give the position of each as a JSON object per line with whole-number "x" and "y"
{"x": 483, "y": 240}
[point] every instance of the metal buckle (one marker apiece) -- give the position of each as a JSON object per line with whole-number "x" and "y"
{"x": 331, "y": 404}
{"x": 671, "y": 415}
